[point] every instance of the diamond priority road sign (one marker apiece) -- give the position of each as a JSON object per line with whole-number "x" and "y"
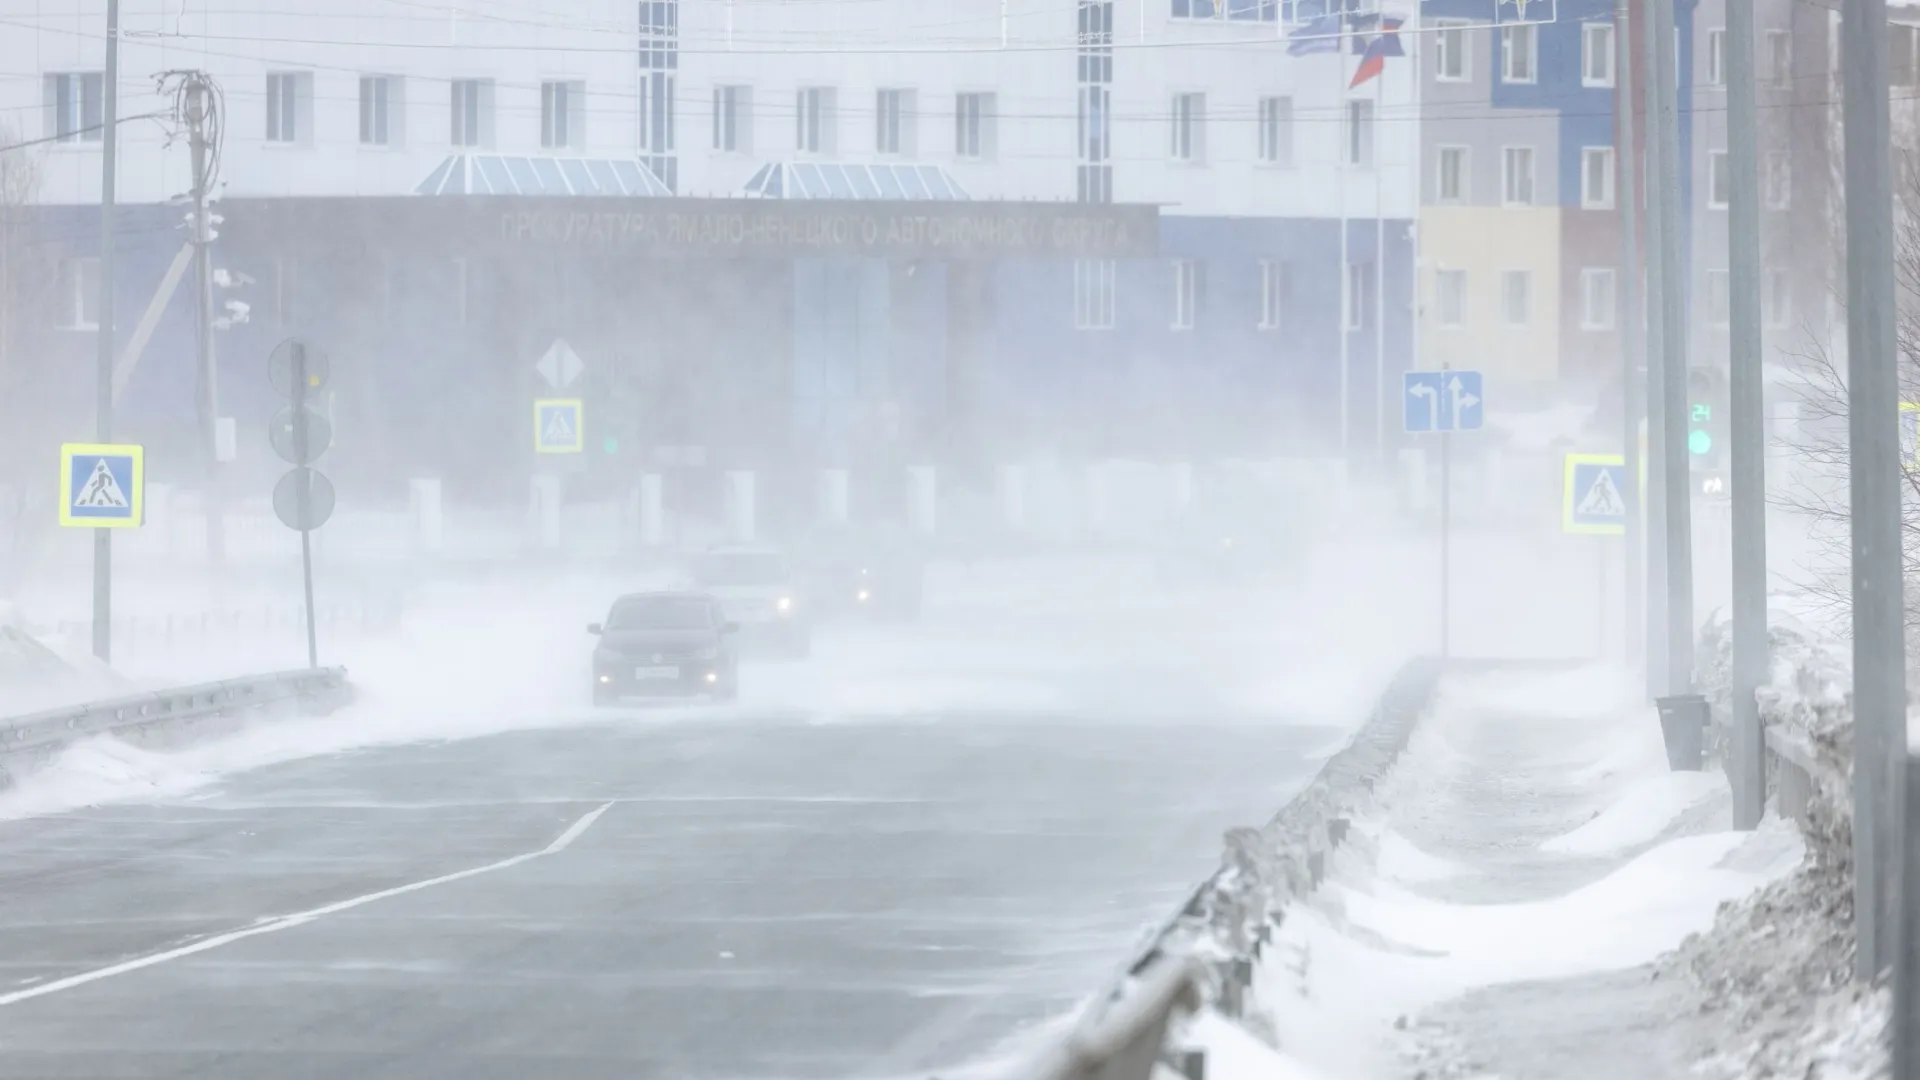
{"x": 102, "y": 486}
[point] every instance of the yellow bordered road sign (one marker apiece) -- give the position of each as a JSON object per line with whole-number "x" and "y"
{"x": 558, "y": 427}
{"x": 1593, "y": 499}
{"x": 102, "y": 486}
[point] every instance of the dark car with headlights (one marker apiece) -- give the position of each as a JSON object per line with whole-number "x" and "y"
{"x": 664, "y": 643}
{"x": 854, "y": 575}
{"x": 758, "y": 589}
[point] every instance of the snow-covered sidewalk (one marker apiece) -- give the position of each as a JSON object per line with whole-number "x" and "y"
{"x": 1500, "y": 912}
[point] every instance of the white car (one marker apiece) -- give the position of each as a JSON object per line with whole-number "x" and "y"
{"x": 758, "y": 589}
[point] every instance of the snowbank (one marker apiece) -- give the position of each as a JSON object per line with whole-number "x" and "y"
{"x": 1775, "y": 971}
{"x": 1641, "y": 814}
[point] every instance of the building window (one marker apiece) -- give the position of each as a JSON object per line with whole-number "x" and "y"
{"x": 1186, "y": 293}
{"x": 1598, "y": 304}
{"x": 1516, "y": 183}
{"x": 1596, "y": 54}
{"x": 79, "y": 294}
{"x": 1779, "y": 180}
{"x": 1902, "y": 47}
{"x": 1237, "y": 10}
{"x": 1718, "y": 180}
{"x": 1276, "y": 130}
{"x": 1719, "y": 298}
{"x": 1189, "y": 128}
{"x": 1450, "y": 298}
{"x": 1596, "y": 177}
{"x": 287, "y": 106}
{"x": 895, "y": 114}
{"x": 74, "y": 106}
{"x": 1780, "y": 58}
{"x": 1450, "y": 43}
{"x": 1360, "y": 282}
{"x": 733, "y": 119}
{"x": 1276, "y": 287}
{"x": 382, "y": 110}
{"x": 814, "y": 121}
{"x": 471, "y": 114}
{"x": 973, "y": 126}
{"x": 1516, "y": 53}
{"x": 1716, "y": 57}
{"x": 658, "y": 90}
{"x": 1452, "y": 179}
{"x": 1516, "y": 297}
{"x": 1778, "y": 300}
{"x": 1360, "y": 134}
{"x": 562, "y": 109}
{"x": 1093, "y": 294}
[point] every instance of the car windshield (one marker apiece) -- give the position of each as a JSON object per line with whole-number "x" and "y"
{"x": 661, "y": 613}
{"x": 742, "y": 568}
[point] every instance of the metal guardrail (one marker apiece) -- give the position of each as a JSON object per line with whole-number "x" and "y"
{"x": 1206, "y": 951}
{"x": 43, "y": 732}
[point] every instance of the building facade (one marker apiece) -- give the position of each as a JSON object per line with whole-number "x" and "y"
{"x": 899, "y": 229}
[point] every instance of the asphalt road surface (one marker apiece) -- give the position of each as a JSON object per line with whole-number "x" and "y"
{"x": 708, "y": 898}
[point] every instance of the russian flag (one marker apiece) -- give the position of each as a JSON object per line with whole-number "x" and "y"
{"x": 1374, "y": 60}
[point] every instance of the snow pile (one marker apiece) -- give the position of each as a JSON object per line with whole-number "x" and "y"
{"x": 1646, "y": 810}
{"x": 1776, "y": 970}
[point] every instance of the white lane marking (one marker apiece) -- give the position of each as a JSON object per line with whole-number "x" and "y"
{"x": 287, "y": 922}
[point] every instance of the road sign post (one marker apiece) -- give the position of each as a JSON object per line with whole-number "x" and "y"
{"x": 1443, "y": 402}
{"x": 304, "y": 498}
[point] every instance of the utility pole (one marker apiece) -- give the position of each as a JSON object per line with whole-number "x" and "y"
{"x": 103, "y": 391}
{"x": 1672, "y": 456}
{"x": 1627, "y": 164}
{"x": 200, "y": 104}
{"x": 1656, "y": 315}
{"x": 1873, "y": 396}
{"x": 1746, "y": 401}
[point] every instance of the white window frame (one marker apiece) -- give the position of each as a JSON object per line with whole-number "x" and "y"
{"x": 1186, "y": 293}
{"x": 1508, "y": 279}
{"x": 1716, "y": 56}
{"x": 1599, "y": 298}
{"x": 1591, "y": 199}
{"x": 1463, "y": 176}
{"x": 733, "y": 119}
{"x": 659, "y": 135}
{"x": 1717, "y": 298}
{"x": 1596, "y": 71}
{"x": 1450, "y": 298}
{"x": 1362, "y": 133}
{"x": 563, "y": 114}
{"x": 1511, "y": 72}
{"x": 75, "y": 106}
{"x": 1358, "y": 297}
{"x": 1779, "y": 58}
{"x": 289, "y": 108}
{"x": 1187, "y": 128}
{"x": 1452, "y": 53}
{"x": 470, "y": 113}
{"x": 383, "y": 111}
{"x": 814, "y": 121}
{"x": 1511, "y": 179}
{"x": 1276, "y": 130}
{"x": 1777, "y": 180}
{"x": 1719, "y": 180}
{"x": 895, "y": 115}
{"x": 1093, "y": 294}
{"x": 1276, "y": 283}
{"x": 973, "y": 125}
{"x": 79, "y": 294}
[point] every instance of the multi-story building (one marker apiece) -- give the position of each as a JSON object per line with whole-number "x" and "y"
{"x": 904, "y": 229}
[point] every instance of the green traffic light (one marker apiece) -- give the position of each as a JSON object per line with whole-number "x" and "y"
{"x": 1699, "y": 442}
{"x": 610, "y": 444}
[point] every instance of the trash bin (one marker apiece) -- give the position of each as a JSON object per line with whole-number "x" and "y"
{"x": 1683, "y": 725}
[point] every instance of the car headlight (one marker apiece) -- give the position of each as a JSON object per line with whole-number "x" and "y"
{"x": 863, "y": 596}
{"x": 785, "y": 604}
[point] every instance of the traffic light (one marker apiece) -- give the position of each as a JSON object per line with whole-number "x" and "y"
{"x": 1706, "y": 418}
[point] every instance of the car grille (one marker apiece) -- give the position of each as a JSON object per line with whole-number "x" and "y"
{"x": 662, "y": 653}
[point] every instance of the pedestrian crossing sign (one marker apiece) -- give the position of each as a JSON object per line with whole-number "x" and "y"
{"x": 101, "y": 486}
{"x": 557, "y": 426}
{"x": 1594, "y": 499}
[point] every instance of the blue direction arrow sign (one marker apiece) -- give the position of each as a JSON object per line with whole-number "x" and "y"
{"x": 1433, "y": 401}
{"x": 101, "y": 486}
